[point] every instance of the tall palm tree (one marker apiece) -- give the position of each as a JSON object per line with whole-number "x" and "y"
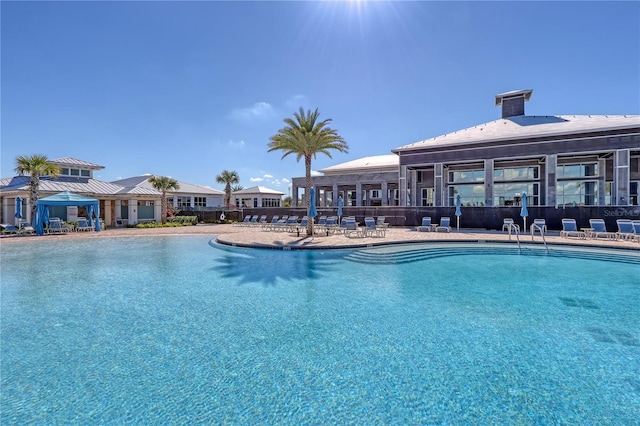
{"x": 164, "y": 184}
{"x": 35, "y": 166}
{"x": 306, "y": 136}
{"x": 228, "y": 178}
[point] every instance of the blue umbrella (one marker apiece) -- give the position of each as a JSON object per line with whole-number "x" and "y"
{"x": 312, "y": 207}
{"x": 523, "y": 211}
{"x": 18, "y": 214}
{"x": 458, "y": 211}
{"x": 340, "y": 204}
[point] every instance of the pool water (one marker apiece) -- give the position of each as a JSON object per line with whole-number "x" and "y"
{"x": 168, "y": 330}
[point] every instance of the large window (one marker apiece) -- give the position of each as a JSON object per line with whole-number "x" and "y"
{"x": 466, "y": 176}
{"x": 572, "y": 171}
{"x": 470, "y": 195}
{"x": 515, "y": 173}
{"x": 184, "y": 202}
{"x": 511, "y": 182}
{"x": 200, "y": 201}
{"x": 427, "y": 197}
{"x": 65, "y": 171}
{"x": 271, "y": 202}
{"x": 577, "y": 193}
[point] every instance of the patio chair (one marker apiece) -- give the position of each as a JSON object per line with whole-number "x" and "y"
{"x": 244, "y": 222}
{"x": 372, "y": 229}
{"x": 83, "y": 225}
{"x": 599, "y": 229}
{"x": 26, "y": 228}
{"x": 636, "y": 230}
{"x": 570, "y": 229}
{"x": 352, "y": 229}
{"x": 445, "y": 224}
{"x": 280, "y": 223}
{"x": 299, "y": 227}
{"x": 253, "y": 221}
{"x": 539, "y": 225}
{"x": 55, "y": 226}
{"x": 625, "y": 229}
{"x": 261, "y": 221}
{"x": 8, "y": 229}
{"x": 266, "y": 225}
{"x": 426, "y": 225}
{"x": 330, "y": 225}
{"x": 508, "y": 222}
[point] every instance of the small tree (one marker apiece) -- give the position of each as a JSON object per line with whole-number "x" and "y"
{"x": 164, "y": 184}
{"x": 35, "y": 166}
{"x": 228, "y": 178}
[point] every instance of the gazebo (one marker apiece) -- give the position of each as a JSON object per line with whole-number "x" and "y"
{"x": 66, "y": 199}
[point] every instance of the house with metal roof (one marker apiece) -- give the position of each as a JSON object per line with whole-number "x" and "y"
{"x": 557, "y": 160}
{"x": 367, "y": 181}
{"x": 257, "y": 196}
{"x": 129, "y": 200}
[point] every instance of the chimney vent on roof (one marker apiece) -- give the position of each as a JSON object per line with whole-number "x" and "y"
{"x": 513, "y": 102}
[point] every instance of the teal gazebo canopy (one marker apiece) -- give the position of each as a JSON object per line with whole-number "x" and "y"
{"x": 66, "y": 199}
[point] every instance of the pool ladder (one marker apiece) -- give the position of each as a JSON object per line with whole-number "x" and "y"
{"x": 541, "y": 230}
{"x": 516, "y": 230}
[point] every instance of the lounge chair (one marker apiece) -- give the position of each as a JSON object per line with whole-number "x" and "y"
{"x": 372, "y": 229}
{"x": 55, "y": 226}
{"x": 625, "y": 229}
{"x": 300, "y": 227}
{"x": 261, "y": 221}
{"x": 83, "y": 225}
{"x": 426, "y": 225}
{"x": 26, "y": 228}
{"x": 280, "y": 223}
{"x": 539, "y": 225}
{"x": 245, "y": 221}
{"x": 570, "y": 229}
{"x": 507, "y": 223}
{"x": 445, "y": 224}
{"x": 352, "y": 229}
{"x": 8, "y": 229}
{"x": 599, "y": 229}
{"x": 636, "y": 230}
{"x": 266, "y": 225}
{"x": 330, "y": 225}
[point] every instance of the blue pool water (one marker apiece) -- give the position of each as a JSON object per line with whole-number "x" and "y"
{"x": 168, "y": 330}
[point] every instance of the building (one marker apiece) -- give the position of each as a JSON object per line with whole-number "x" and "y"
{"x": 557, "y": 160}
{"x": 257, "y": 196}
{"x": 368, "y": 181}
{"x": 131, "y": 200}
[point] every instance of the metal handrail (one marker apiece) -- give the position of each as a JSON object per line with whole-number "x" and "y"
{"x": 516, "y": 230}
{"x": 541, "y": 230}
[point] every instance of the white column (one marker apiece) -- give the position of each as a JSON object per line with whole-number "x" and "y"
{"x": 488, "y": 183}
{"x": 551, "y": 170}
{"x": 133, "y": 212}
{"x": 621, "y": 159}
{"x": 402, "y": 186}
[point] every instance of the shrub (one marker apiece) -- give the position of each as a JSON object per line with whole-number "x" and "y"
{"x": 183, "y": 220}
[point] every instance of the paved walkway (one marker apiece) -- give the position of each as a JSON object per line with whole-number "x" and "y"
{"x": 242, "y": 236}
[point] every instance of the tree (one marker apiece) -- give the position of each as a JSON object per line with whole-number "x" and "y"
{"x": 306, "y": 136}
{"x": 235, "y": 188}
{"x": 164, "y": 184}
{"x": 228, "y": 178}
{"x": 35, "y": 166}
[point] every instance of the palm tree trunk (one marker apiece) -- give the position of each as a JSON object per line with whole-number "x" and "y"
{"x": 163, "y": 206}
{"x": 307, "y": 190}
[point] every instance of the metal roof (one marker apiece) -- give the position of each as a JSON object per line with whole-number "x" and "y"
{"x": 141, "y": 185}
{"x": 374, "y": 163}
{"x": 61, "y": 184}
{"x": 258, "y": 190}
{"x": 529, "y": 126}
{"x": 74, "y": 162}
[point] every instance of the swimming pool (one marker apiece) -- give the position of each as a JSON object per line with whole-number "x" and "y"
{"x": 170, "y": 330}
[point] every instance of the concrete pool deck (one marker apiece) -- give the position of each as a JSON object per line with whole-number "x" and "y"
{"x": 243, "y": 236}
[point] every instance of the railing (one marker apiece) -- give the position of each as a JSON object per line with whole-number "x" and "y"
{"x": 516, "y": 230}
{"x": 540, "y": 229}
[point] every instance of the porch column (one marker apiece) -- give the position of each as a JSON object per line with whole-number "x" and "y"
{"x": 358, "y": 194}
{"x": 602, "y": 182}
{"x": 157, "y": 211}
{"x": 133, "y": 212}
{"x": 413, "y": 177}
{"x": 294, "y": 190}
{"x": 5, "y": 210}
{"x": 438, "y": 184}
{"x": 402, "y": 186}
{"x": 385, "y": 195}
{"x": 621, "y": 159}
{"x": 551, "y": 179}
{"x": 488, "y": 183}
{"x": 107, "y": 212}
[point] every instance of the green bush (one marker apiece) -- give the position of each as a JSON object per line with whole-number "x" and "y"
{"x": 184, "y": 220}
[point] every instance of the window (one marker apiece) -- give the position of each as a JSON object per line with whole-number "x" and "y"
{"x": 516, "y": 173}
{"x": 569, "y": 171}
{"x": 470, "y": 195}
{"x": 271, "y": 202}
{"x": 184, "y": 202}
{"x": 200, "y": 201}
{"x": 509, "y": 194}
{"x": 374, "y": 193}
{"x": 577, "y": 193}
{"x": 74, "y": 172}
{"x": 85, "y": 173}
{"x": 427, "y": 196}
{"x": 466, "y": 176}
{"x": 64, "y": 171}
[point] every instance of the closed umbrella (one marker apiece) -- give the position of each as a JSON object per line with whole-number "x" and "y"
{"x": 523, "y": 210}
{"x": 18, "y": 214}
{"x": 312, "y": 207}
{"x": 458, "y": 211}
{"x": 340, "y": 204}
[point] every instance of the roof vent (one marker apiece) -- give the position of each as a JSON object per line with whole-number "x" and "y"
{"x": 513, "y": 102}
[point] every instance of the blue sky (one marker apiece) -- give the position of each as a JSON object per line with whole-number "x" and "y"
{"x": 188, "y": 89}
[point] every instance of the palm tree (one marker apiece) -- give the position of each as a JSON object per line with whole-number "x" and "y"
{"x": 35, "y": 166}
{"x": 228, "y": 178}
{"x": 164, "y": 184}
{"x": 235, "y": 188}
{"x": 306, "y": 137}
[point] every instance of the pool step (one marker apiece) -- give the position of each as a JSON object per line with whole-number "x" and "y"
{"x": 407, "y": 255}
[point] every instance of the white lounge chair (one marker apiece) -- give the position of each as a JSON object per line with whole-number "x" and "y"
{"x": 625, "y": 229}
{"x": 570, "y": 229}
{"x": 83, "y": 225}
{"x": 8, "y": 229}
{"x": 599, "y": 230}
{"x": 445, "y": 224}
{"x": 352, "y": 229}
{"x": 426, "y": 225}
{"x": 26, "y": 228}
{"x": 508, "y": 222}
